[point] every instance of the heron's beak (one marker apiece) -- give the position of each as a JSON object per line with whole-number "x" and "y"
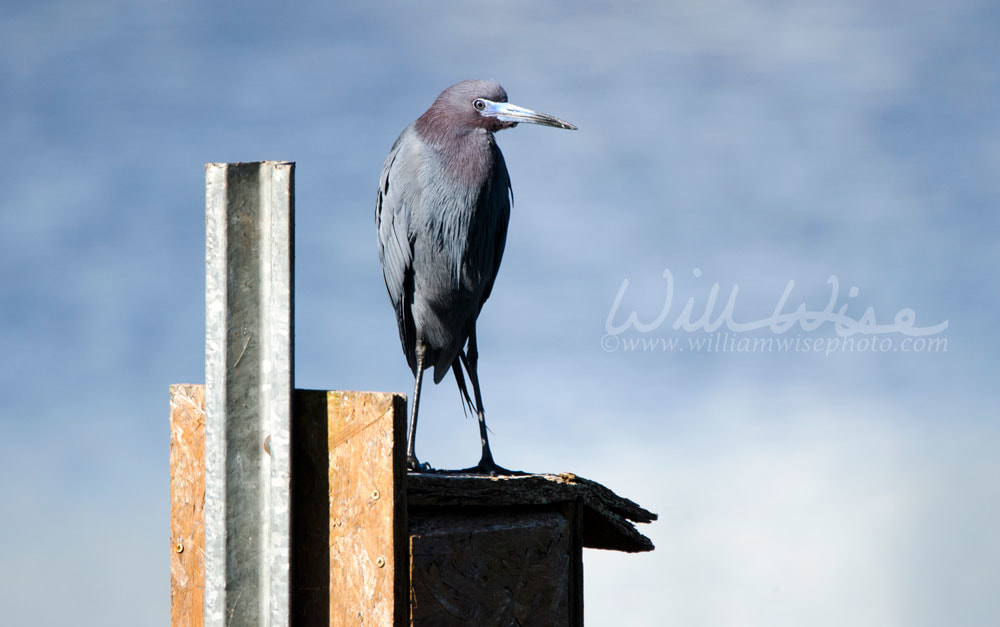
{"x": 506, "y": 112}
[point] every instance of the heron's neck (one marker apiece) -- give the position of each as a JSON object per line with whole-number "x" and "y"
{"x": 466, "y": 155}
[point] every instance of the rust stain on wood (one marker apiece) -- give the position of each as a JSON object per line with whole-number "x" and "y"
{"x": 187, "y": 502}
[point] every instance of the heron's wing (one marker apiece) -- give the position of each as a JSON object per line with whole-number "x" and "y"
{"x": 499, "y": 197}
{"x": 395, "y": 251}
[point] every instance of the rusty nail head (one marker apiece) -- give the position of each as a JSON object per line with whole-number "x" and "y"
{"x": 380, "y": 562}
{"x": 179, "y": 547}
{"x": 375, "y": 495}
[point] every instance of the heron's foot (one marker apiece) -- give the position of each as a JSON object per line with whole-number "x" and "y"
{"x": 414, "y": 465}
{"x": 488, "y": 467}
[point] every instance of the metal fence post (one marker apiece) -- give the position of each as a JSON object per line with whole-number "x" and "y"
{"x": 249, "y": 210}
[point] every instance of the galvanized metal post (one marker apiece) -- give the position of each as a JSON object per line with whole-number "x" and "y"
{"x": 248, "y": 400}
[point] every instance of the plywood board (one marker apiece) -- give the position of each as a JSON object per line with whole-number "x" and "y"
{"x": 367, "y": 470}
{"x": 187, "y": 503}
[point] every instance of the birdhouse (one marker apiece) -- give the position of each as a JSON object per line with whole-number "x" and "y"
{"x": 375, "y": 545}
{"x": 509, "y": 550}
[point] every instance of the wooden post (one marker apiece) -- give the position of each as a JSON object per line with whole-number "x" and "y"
{"x": 349, "y": 562}
{"x": 362, "y": 509}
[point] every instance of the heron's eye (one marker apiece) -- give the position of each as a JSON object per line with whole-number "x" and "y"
{"x": 479, "y": 104}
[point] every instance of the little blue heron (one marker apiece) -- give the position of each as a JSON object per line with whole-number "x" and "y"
{"x": 442, "y": 212}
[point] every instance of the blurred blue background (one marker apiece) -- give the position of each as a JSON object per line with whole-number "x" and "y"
{"x": 758, "y": 142}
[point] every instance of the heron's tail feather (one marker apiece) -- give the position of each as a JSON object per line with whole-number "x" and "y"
{"x": 467, "y": 405}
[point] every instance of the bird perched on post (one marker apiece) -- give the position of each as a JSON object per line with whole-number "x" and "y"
{"x": 442, "y": 212}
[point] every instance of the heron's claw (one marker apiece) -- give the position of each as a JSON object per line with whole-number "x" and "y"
{"x": 414, "y": 465}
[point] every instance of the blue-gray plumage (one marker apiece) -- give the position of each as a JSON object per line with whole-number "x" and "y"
{"x": 442, "y": 212}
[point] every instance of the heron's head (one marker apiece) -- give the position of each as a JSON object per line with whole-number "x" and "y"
{"x": 472, "y": 105}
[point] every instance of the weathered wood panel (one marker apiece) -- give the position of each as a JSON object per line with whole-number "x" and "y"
{"x": 475, "y": 566}
{"x": 367, "y": 474}
{"x": 607, "y": 517}
{"x": 187, "y": 502}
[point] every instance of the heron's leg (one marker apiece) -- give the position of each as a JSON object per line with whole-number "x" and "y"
{"x": 471, "y": 363}
{"x": 486, "y": 463}
{"x": 411, "y": 457}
